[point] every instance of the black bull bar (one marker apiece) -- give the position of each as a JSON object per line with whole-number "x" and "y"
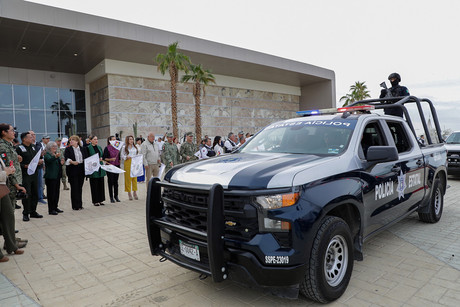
{"x": 214, "y": 237}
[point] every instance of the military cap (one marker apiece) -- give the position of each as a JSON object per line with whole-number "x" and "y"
{"x": 58, "y": 140}
{"x": 46, "y": 137}
{"x": 190, "y": 133}
{"x": 169, "y": 135}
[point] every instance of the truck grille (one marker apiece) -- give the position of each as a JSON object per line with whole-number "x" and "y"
{"x": 189, "y": 209}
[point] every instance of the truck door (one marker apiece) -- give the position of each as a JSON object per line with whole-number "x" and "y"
{"x": 411, "y": 177}
{"x": 385, "y": 184}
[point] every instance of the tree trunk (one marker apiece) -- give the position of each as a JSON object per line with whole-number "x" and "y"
{"x": 197, "y": 91}
{"x": 173, "y": 74}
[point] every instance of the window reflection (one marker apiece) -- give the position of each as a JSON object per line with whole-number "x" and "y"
{"x": 80, "y": 118}
{"x": 22, "y": 120}
{"x": 38, "y": 121}
{"x": 51, "y": 96}
{"x": 6, "y": 96}
{"x": 46, "y": 110}
{"x": 36, "y": 97}
{"x": 67, "y": 125}
{"x": 52, "y": 122}
{"x": 65, "y": 95}
{"x": 6, "y": 116}
{"x": 80, "y": 101}
{"x": 21, "y": 96}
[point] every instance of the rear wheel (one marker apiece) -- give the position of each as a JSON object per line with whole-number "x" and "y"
{"x": 330, "y": 263}
{"x": 435, "y": 205}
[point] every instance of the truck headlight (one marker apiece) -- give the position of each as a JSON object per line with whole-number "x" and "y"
{"x": 271, "y": 202}
{"x": 277, "y": 201}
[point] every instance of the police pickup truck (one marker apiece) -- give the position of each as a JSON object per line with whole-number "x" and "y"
{"x": 289, "y": 211}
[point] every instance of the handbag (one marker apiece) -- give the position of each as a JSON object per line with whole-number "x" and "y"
{"x": 4, "y": 190}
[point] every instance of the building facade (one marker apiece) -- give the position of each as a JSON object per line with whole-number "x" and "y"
{"x": 63, "y": 72}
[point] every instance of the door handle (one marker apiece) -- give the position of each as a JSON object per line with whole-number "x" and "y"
{"x": 396, "y": 169}
{"x": 420, "y": 163}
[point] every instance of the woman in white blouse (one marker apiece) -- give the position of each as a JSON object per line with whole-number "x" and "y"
{"x": 75, "y": 171}
{"x": 128, "y": 151}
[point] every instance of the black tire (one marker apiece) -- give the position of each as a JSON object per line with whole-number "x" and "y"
{"x": 436, "y": 204}
{"x": 331, "y": 262}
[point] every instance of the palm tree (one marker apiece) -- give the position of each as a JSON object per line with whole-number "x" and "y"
{"x": 62, "y": 109}
{"x": 201, "y": 77}
{"x": 174, "y": 62}
{"x": 358, "y": 91}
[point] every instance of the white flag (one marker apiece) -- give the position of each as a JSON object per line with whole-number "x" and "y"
{"x": 161, "y": 171}
{"x": 92, "y": 164}
{"x": 112, "y": 169}
{"x": 136, "y": 166}
{"x": 117, "y": 144}
{"x": 64, "y": 142}
{"x": 33, "y": 164}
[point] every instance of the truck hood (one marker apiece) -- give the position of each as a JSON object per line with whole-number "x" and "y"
{"x": 452, "y": 147}
{"x": 246, "y": 171}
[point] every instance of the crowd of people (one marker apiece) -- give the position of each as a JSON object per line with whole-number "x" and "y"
{"x": 28, "y": 166}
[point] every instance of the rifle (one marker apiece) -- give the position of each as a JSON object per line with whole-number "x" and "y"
{"x": 387, "y": 91}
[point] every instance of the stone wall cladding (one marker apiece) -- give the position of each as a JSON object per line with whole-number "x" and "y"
{"x": 223, "y": 109}
{"x": 100, "y": 109}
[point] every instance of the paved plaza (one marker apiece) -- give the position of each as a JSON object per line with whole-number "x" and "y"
{"x": 100, "y": 257}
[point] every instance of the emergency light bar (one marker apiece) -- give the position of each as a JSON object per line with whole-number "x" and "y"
{"x": 336, "y": 110}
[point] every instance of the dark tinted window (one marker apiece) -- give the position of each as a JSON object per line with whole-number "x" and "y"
{"x": 372, "y": 136}
{"x": 399, "y": 136}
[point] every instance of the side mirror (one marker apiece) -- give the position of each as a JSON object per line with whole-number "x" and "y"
{"x": 382, "y": 154}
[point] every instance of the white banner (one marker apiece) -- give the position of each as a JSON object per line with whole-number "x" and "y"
{"x": 64, "y": 142}
{"x": 33, "y": 164}
{"x": 137, "y": 163}
{"x": 92, "y": 164}
{"x": 161, "y": 171}
{"x": 117, "y": 144}
{"x": 112, "y": 169}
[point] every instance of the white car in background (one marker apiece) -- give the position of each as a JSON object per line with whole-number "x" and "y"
{"x": 453, "y": 153}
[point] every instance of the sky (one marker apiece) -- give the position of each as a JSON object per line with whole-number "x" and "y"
{"x": 360, "y": 40}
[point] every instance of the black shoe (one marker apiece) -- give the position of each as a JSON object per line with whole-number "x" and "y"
{"x": 25, "y": 218}
{"x": 16, "y": 231}
{"x": 17, "y": 207}
{"x": 116, "y": 198}
{"x": 53, "y": 213}
{"x": 102, "y": 204}
{"x": 97, "y": 205}
{"x": 36, "y": 215}
{"x": 58, "y": 210}
{"x": 112, "y": 200}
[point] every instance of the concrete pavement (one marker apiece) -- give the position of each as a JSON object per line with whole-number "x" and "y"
{"x": 100, "y": 257}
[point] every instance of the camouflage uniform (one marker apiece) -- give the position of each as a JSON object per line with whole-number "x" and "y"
{"x": 64, "y": 173}
{"x": 8, "y": 153}
{"x": 170, "y": 154}
{"x": 188, "y": 149}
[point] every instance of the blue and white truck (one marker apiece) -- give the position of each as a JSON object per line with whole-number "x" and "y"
{"x": 290, "y": 210}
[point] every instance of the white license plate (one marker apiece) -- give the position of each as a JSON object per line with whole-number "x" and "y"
{"x": 189, "y": 250}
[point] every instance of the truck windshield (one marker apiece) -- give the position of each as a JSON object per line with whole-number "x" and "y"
{"x": 318, "y": 137}
{"x": 454, "y": 138}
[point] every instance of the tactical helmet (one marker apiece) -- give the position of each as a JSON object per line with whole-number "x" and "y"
{"x": 396, "y": 76}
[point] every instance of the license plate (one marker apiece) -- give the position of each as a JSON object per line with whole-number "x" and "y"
{"x": 189, "y": 250}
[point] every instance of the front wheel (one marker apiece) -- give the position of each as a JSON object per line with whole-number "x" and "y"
{"x": 435, "y": 205}
{"x": 330, "y": 263}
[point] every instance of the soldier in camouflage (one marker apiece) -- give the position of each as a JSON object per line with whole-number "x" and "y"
{"x": 8, "y": 155}
{"x": 170, "y": 153}
{"x": 64, "y": 173}
{"x": 188, "y": 149}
